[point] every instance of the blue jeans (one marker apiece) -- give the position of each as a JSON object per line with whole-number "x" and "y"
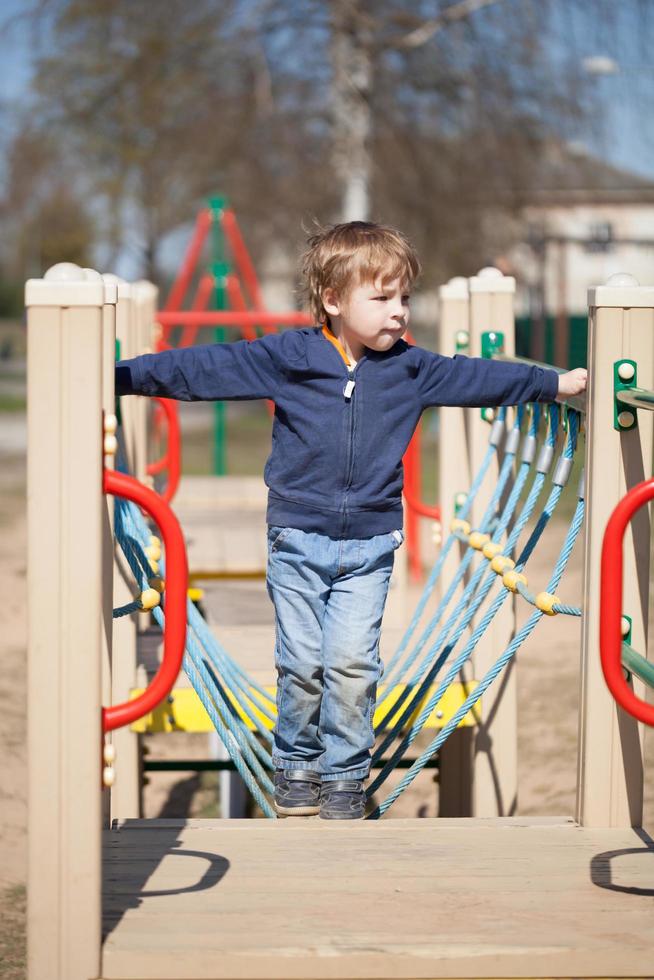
{"x": 329, "y": 598}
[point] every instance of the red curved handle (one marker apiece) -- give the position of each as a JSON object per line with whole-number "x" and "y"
{"x": 171, "y": 460}
{"x": 121, "y": 485}
{"x": 611, "y": 602}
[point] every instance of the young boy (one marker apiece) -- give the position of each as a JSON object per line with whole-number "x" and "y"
{"x": 348, "y": 395}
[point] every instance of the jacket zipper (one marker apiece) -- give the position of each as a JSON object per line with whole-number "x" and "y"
{"x": 348, "y": 392}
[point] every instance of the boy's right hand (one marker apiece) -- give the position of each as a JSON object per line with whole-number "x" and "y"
{"x": 572, "y": 383}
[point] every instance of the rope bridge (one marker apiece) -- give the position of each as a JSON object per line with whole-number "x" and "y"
{"x": 243, "y": 712}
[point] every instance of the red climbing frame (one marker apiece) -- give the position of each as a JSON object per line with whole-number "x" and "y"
{"x": 121, "y": 485}
{"x": 611, "y": 602}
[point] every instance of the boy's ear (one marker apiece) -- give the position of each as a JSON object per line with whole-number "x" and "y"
{"x": 330, "y": 301}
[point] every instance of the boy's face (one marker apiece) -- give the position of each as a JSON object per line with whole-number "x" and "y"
{"x": 371, "y": 315}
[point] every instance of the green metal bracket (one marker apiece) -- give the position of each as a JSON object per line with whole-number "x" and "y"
{"x": 217, "y": 205}
{"x": 625, "y": 376}
{"x": 626, "y": 638}
{"x": 220, "y": 269}
{"x": 492, "y": 342}
{"x": 118, "y": 413}
{"x": 461, "y": 342}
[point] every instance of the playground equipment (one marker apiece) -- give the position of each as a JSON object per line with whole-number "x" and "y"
{"x": 168, "y": 928}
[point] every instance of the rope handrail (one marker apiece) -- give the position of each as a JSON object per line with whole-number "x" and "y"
{"x": 578, "y": 402}
{"x": 636, "y": 397}
{"x": 478, "y": 596}
{"x": 494, "y": 439}
{"x": 637, "y": 664}
{"x": 611, "y": 580}
{"x": 493, "y": 672}
{"x": 132, "y": 534}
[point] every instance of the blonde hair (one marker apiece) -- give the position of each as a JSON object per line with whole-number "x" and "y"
{"x": 347, "y": 255}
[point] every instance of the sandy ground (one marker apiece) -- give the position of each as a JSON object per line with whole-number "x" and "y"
{"x": 548, "y": 700}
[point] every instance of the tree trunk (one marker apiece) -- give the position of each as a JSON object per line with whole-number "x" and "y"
{"x": 351, "y": 86}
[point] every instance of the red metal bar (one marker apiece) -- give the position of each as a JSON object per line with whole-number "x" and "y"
{"x": 186, "y": 272}
{"x": 171, "y": 460}
{"x": 200, "y": 302}
{"x": 411, "y": 476}
{"x": 121, "y": 485}
{"x": 189, "y": 264}
{"x": 237, "y": 302}
{"x": 242, "y": 259}
{"x": 230, "y": 318}
{"x": 611, "y": 602}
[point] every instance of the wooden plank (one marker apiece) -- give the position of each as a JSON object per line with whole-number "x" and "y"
{"x": 401, "y": 898}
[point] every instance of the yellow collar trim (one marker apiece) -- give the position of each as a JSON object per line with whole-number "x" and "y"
{"x": 337, "y": 344}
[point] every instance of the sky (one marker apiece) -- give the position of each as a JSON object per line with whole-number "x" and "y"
{"x": 621, "y": 132}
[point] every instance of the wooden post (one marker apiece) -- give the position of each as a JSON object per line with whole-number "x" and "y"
{"x": 144, "y": 311}
{"x": 110, "y": 447}
{"x": 126, "y": 792}
{"x": 65, "y": 519}
{"x": 495, "y": 783}
{"x": 455, "y": 773}
{"x": 610, "y": 762}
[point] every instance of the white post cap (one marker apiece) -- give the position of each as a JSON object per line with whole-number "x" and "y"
{"x": 621, "y": 290}
{"x": 124, "y": 288}
{"x": 491, "y": 280}
{"x": 66, "y": 284}
{"x": 456, "y": 288}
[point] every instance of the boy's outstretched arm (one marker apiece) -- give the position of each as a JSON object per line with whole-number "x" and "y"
{"x": 478, "y": 381}
{"x": 211, "y": 372}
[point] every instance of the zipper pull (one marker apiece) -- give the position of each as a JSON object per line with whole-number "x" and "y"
{"x": 348, "y": 389}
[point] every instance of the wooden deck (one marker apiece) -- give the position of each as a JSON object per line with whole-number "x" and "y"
{"x": 304, "y": 898}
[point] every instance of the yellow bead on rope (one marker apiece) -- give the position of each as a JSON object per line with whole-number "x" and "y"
{"x": 157, "y": 583}
{"x": 477, "y": 540}
{"x": 545, "y": 600}
{"x": 511, "y": 579}
{"x": 149, "y": 598}
{"x": 491, "y": 548}
{"x": 501, "y": 564}
{"x": 458, "y": 524}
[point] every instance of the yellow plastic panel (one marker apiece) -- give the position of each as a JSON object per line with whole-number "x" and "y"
{"x": 185, "y": 713}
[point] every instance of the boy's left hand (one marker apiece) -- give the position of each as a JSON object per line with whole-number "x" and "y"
{"x": 572, "y": 383}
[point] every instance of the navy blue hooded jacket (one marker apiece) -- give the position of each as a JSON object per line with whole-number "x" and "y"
{"x": 337, "y": 448}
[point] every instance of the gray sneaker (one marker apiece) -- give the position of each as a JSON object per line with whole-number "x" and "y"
{"x": 342, "y": 799}
{"x": 297, "y": 792}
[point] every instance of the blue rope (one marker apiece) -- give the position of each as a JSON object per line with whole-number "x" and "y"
{"x": 131, "y": 607}
{"x": 481, "y": 628}
{"x": 410, "y": 692}
{"x": 470, "y": 594}
{"x": 490, "y": 512}
{"x": 135, "y": 521}
{"x": 492, "y": 673}
{"x": 240, "y": 742}
{"x": 477, "y": 600}
{"x": 438, "y": 567}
